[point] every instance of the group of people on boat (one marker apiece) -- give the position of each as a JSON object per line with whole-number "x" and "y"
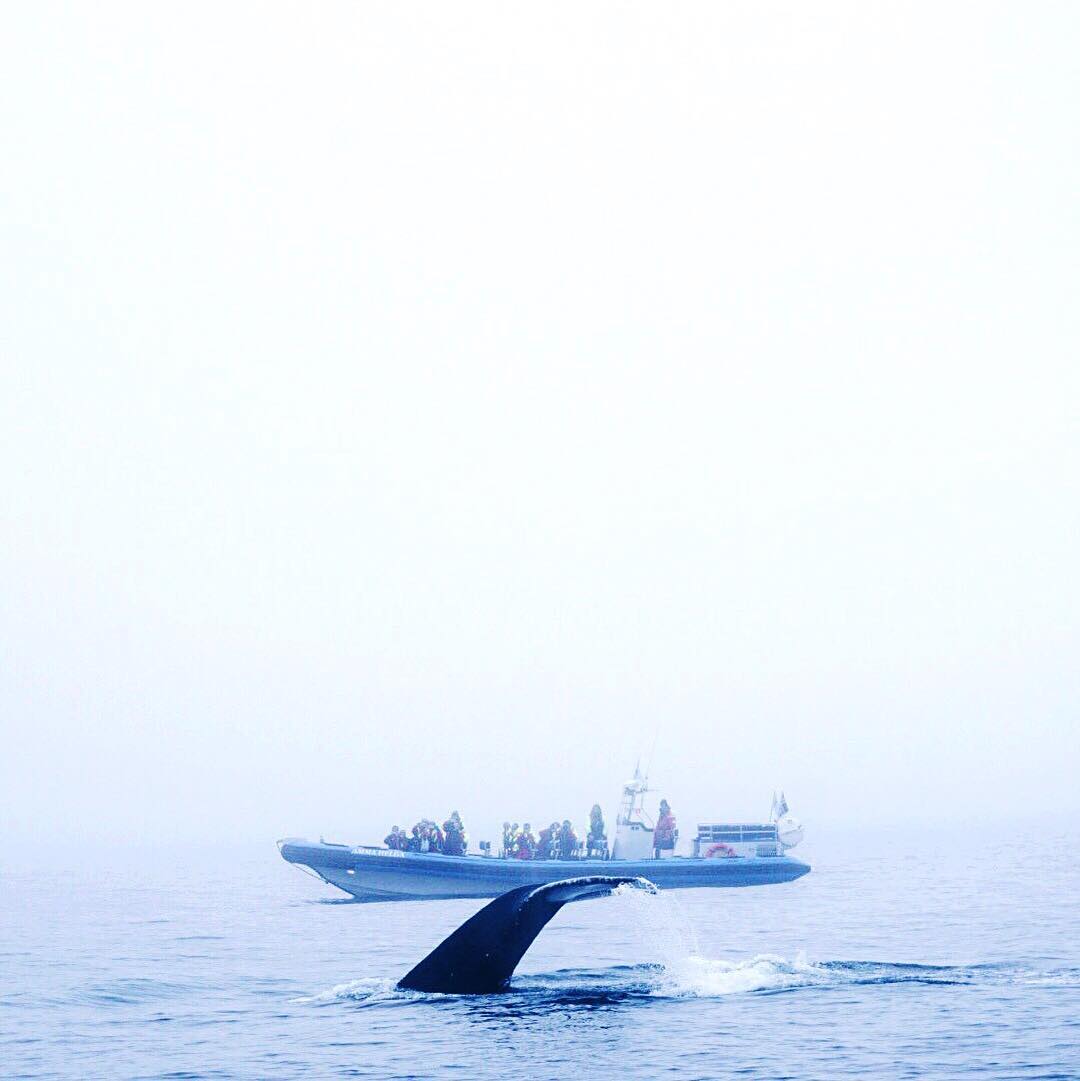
{"x": 555, "y": 842}
{"x": 426, "y": 836}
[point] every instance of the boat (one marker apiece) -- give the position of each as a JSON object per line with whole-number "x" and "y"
{"x": 724, "y": 854}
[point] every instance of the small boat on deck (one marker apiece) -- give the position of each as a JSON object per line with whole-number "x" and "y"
{"x": 724, "y": 854}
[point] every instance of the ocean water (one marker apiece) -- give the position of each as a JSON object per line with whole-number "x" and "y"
{"x": 903, "y": 955}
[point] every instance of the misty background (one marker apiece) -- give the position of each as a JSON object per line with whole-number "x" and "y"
{"x": 417, "y": 407}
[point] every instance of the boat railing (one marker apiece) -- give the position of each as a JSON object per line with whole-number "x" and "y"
{"x": 752, "y": 839}
{"x": 736, "y": 832}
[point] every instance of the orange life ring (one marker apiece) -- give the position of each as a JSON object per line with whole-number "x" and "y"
{"x": 719, "y": 850}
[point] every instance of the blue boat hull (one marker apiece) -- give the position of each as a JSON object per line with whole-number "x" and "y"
{"x": 374, "y": 874}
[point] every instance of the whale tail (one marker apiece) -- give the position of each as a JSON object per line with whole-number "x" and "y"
{"x": 480, "y": 956}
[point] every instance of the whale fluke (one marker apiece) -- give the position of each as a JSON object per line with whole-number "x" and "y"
{"x": 480, "y": 956}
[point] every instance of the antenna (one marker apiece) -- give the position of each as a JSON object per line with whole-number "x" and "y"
{"x": 652, "y": 750}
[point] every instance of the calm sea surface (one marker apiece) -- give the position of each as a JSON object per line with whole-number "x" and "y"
{"x": 915, "y": 956}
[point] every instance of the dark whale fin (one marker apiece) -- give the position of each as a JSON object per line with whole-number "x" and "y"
{"x": 481, "y": 955}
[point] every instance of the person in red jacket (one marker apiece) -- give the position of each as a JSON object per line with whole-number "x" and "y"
{"x": 526, "y": 843}
{"x": 665, "y": 835}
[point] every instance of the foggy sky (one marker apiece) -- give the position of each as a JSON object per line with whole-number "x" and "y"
{"x": 410, "y": 407}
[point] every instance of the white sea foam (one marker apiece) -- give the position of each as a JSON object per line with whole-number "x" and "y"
{"x": 371, "y": 989}
{"x": 694, "y": 976}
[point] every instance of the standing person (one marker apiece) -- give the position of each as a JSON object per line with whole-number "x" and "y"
{"x": 454, "y": 836}
{"x": 596, "y": 842}
{"x": 665, "y": 835}
{"x": 395, "y": 839}
{"x": 568, "y": 841}
{"x": 449, "y": 838}
{"x": 545, "y": 841}
{"x": 436, "y": 837}
{"x": 508, "y": 841}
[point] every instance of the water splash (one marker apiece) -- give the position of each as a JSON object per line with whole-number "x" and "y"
{"x": 367, "y": 991}
{"x": 694, "y": 976}
{"x": 664, "y": 931}
{"x": 668, "y": 938}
